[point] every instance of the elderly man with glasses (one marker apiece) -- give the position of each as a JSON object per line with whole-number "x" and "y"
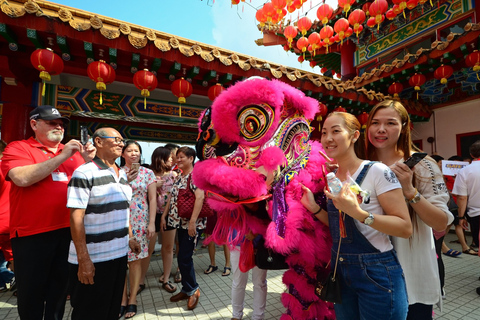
{"x": 98, "y": 198}
{"x": 40, "y": 168}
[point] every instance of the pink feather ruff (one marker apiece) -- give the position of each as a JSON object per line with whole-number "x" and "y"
{"x": 271, "y": 159}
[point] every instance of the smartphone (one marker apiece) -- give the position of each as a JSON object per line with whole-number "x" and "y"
{"x": 83, "y": 135}
{"x": 135, "y": 166}
{"x": 414, "y": 159}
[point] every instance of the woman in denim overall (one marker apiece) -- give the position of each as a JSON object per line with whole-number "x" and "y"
{"x": 371, "y": 278}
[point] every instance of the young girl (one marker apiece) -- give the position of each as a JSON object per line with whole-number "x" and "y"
{"x": 371, "y": 278}
{"x": 388, "y": 130}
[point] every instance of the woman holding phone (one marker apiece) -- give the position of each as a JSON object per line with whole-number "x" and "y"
{"x": 143, "y": 208}
{"x": 389, "y": 141}
{"x": 371, "y": 278}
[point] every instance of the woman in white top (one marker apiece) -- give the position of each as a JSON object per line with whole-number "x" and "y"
{"x": 371, "y": 278}
{"x": 388, "y": 130}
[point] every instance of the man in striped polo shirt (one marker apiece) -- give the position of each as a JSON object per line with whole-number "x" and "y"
{"x": 98, "y": 198}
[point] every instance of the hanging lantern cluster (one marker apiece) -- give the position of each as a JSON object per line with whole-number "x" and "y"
{"x": 341, "y": 27}
{"x": 377, "y": 10}
{"x": 182, "y": 89}
{"x": 356, "y": 19}
{"x": 102, "y": 74}
{"x": 48, "y": 63}
{"x": 345, "y": 5}
{"x": 145, "y": 81}
{"x": 290, "y": 33}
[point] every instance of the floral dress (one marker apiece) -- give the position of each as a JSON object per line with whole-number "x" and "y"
{"x": 164, "y": 190}
{"x": 139, "y": 214}
{"x": 173, "y": 220}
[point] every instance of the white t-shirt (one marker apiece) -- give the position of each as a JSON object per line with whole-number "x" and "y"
{"x": 417, "y": 254}
{"x": 379, "y": 179}
{"x": 467, "y": 183}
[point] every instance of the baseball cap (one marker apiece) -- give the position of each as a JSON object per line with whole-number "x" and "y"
{"x": 47, "y": 113}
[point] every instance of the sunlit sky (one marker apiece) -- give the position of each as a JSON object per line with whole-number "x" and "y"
{"x": 216, "y": 23}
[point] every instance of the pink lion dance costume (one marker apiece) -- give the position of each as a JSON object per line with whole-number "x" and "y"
{"x": 254, "y": 142}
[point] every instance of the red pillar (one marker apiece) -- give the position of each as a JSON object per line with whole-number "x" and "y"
{"x": 16, "y": 108}
{"x": 347, "y": 52}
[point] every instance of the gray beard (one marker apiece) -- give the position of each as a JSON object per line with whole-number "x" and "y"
{"x": 51, "y": 136}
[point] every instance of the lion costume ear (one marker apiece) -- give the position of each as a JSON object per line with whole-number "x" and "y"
{"x": 297, "y": 100}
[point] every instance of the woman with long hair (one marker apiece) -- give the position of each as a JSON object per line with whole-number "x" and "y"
{"x": 187, "y": 228}
{"x": 423, "y": 187}
{"x": 162, "y": 163}
{"x": 370, "y": 275}
{"x": 142, "y": 221}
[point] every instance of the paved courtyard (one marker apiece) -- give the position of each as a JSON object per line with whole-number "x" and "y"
{"x": 461, "y": 300}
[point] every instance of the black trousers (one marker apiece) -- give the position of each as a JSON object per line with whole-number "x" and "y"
{"x": 474, "y": 226}
{"x": 441, "y": 266}
{"x": 41, "y": 272}
{"x": 101, "y": 300}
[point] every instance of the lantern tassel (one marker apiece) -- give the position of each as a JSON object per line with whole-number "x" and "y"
{"x": 43, "y": 88}
{"x": 478, "y": 77}
{"x": 144, "y": 102}
{"x": 180, "y": 111}
{"x": 101, "y": 98}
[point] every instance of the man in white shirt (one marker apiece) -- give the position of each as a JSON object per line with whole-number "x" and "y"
{"x": 467, "y": 189}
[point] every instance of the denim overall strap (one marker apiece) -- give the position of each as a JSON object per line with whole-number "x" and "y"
{"x": 355, "y": 241}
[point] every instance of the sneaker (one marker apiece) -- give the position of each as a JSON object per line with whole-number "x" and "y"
{"x": 13, "y": 284}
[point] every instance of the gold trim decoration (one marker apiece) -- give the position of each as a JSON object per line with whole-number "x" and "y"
{"x": 162, "y": 45}
{"x": 226, "y": 61}
{"x": 276, "y": 73}
{"x": 186, "y": 51}
{"x": 11, "y": 11}
{"x": 65, "y": 15}
{"x": 151, "y": 35}
{"x": 208, "y": 57}
{"x": 136, "y": 42}
{"x": 291, "y": 77}
{"x": 234, "y": 58}
{"x": 216, "y": 53}
{"x": 79, "y": 26}
{"x": 125, "y": 29}
{"x": 110, "y": 33}
{"x": 174, "y": 43}
{"x": 197, "y": 49}
{"x": 96, "y": 22}
{"x": 31, "y": 7}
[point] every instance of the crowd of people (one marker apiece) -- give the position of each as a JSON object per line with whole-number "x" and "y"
{"x": 73, "y": 222}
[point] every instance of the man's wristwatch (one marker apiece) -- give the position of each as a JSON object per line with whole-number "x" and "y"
{"x": 369, "y": 220}
{"x": 462, "y": 218}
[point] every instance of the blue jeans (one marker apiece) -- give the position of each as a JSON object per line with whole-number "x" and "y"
{"x": 373, "y": 287}
{"x": 6, "y": 275}
{"x": 185, "y": 261}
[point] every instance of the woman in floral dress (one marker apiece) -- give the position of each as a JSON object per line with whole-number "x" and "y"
{"x": 143, "y": 208}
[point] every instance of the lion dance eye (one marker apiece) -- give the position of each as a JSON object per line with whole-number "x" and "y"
{"x": 255, "y": 120}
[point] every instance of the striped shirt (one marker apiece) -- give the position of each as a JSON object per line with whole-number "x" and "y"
{"x": 105, "y": 197}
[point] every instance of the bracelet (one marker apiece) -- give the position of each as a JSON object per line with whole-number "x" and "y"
{"x": 319, "y": 209}
{"x": 131, "y": 238}
{"x": 462, "y": 218}
{"x": 415, "y": 198}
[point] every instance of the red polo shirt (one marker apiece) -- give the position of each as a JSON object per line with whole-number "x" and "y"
{"x": 4, "y": 204}
{"x": 41, "y": 207}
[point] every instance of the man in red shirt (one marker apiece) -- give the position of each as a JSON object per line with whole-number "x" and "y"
{"x": 40, "y": 169}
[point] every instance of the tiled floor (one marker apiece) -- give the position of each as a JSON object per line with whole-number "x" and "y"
{"x": 461, "y": 301}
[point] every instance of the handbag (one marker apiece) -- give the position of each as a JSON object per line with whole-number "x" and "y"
{"x": 266, "y": 258}
{"x": 186, "y": 202}
{"x": 329, "y": 289}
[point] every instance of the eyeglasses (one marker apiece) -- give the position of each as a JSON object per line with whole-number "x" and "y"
{"x": 118, "y": 140}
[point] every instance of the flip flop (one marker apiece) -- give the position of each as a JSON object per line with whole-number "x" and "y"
{"x": 470, "y": 251}
{"x": 169, "y": 287}
{"x": 210, "y": 269}
{"x": 131, "y": 308}
{"x": 452, "y": 253}
{"x": 123, "y": 310}
{"x": 178, "y": 277}
{"x": 225, "y": 273}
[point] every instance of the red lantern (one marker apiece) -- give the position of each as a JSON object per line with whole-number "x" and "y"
{"x": 402, "y": 4}
{"x": 145, "y": 81}
{"x": 324, "y": 13}
{"x": 304, "y": 24}
{"x": 362, "y": 118}
{"x": 390, "y": 14}
{"x": 102, "y": 74}
{"x": 322, "y": 112}
{"x": 279, "y": 5}
{"x": 300, "y": 59}
{"x": 377, "y": 9}
{"x": 234, "y": 2}
{"x": 340, "y": 109}
{"x": 416, "y": 81}
{"x": 290, "y": 33}
{"x": 473, "y": 60}
{"x": 394, "y": 89}
{"x": 345, "y": 4}
{"x": 312, "y": 63}
{"x": 443, "y": 73}
{"x": 302, "y": 44}
{"x": 269, "y": 11}
{"x": 48, "y": 63}
{"x": 182, "y": 89}
{"x": 323, "y": 70}
{"x": 261, "y": 17}
{"x": 341, "y": 26}
{"x": 314, "y": 40}
{"x": 356, "y": 18}
{"x": 411, "y": 4}
{"x": 366, "y": 8}
{"x": 214, "y": 91}
{"x": 325, "y": 34}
